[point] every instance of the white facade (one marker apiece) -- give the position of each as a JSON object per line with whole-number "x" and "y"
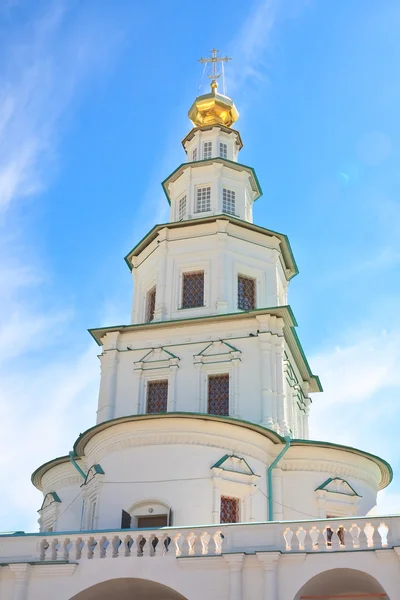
{"x": 194, "y": 478}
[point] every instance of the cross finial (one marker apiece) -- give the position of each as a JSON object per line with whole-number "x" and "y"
{"x": 214, "y": 59}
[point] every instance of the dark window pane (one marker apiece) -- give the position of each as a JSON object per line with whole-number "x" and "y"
{"x": 218, "y": 394}
{"x": 150, "y": 304}
{"x": 157, "y": 396}
{"x": 193, "y": 289}
{"x": 246, "y": 293}
{"x": 229, "y": 510}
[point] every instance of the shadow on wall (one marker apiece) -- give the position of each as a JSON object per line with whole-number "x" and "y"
{"x": 329, "y": 584}
{"x": 126, "y": 587}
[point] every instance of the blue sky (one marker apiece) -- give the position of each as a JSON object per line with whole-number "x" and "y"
{"x": 93, "y": 104}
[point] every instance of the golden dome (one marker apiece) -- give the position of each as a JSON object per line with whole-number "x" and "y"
{"x": 213, "y": 108}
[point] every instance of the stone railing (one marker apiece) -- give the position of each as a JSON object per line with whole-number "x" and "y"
{"x": 358, "y": 533}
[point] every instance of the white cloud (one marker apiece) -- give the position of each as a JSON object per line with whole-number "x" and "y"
{"x": 359, "y": 405}
{"x": 251, "y": 48}
{"x": 49, "y": 60}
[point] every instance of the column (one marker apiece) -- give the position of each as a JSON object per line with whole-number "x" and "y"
{"x": 108, "y": 380}
{"x": 266, "y": 376}
{"x": 21, "y": 577}
{"x": 161, "y": 309}
{"x": 235, "y": 393}
{"x": 222, "y": 297}
{"x": 235, "y": 562}
{"x": 277, "y": 487}
{"x": 307, "y": 401}
{"x": 269, "y": 561}
{"x": 171, "y": 407}
{"x": 280, "y": 387}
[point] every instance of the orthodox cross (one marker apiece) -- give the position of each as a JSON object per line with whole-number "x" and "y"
{"x": 214, "y": 59}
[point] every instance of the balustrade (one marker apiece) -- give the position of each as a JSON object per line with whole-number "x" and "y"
{"x": 340, "y": 535}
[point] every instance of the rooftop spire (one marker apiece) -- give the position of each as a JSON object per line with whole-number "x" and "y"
{"x": 213, "y": 108}
{"x": 213, "y": 60}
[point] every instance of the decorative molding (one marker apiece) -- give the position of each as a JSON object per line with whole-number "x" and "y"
{"x": 58, "y": 481}
{"x": 235, "y": 561}
{"x": 322, "y": 466}
{"x": 54, "y": 570}
{"x": 196, "y": 438}
{"x": 269, "y": 560}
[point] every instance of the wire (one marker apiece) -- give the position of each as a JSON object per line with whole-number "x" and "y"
{"x": 159, "y": 480}
{"x": 201, "y": 80}
{"x": 65, "y": 509}
{"x": 288, "y": 507}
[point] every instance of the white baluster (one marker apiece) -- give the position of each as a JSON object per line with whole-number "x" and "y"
{"x": 219, "y": 540}
{"x": 128, "y": 543}
{"x": 52, "y": 554}
{"x": 66, "y": 545}
{"x": 177, "y": 540}
{"x": 44, "y": 545}
{"x": 288, "y": 537}
{"x": 205, "y": 539}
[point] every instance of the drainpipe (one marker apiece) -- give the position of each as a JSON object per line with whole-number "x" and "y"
{"x": 269, "y": 478}
{"x": 77, "y": 467}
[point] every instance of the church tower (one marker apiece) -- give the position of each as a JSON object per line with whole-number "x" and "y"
{"x": 205, "y": 395}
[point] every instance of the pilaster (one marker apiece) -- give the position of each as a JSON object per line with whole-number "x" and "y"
{"x": 160, "y": 312}
{"x": 108, "y": 381}
{"x": 269, "y": 561}
{"x": 21, "y": 572}
{"x": 235, "y": 562}
{"x": 266, "y": 377}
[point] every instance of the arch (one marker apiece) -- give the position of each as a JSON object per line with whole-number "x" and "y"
{"x": 148, "y": 511}
{"x": 342, "y": 581}
{"x": 126, "y": 587}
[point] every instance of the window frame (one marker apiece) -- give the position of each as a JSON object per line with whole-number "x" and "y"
{"x": 194, "y": 154}
{"x": 155, "y": 380}
{"x": 223, "y": 150}
{"x": 207, "y": 150}
{"x": 249, "y": 278}
{"x": 179, "y": 215}
{"x": 227, "y": 375}
{"x": 238, "y": 508}
{"x": 147, "y": 308}
{"x": 226, "y": 192}
{"x": 187, "y": 274}
{"x": 196, "y": 200}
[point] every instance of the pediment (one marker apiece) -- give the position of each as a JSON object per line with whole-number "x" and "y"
{"x": 50, "y": 498}
{"x": 92, "y": 472}
{"x": 157, "y": 357}
{"x": 337, "y": 485}
{"x": 218, "y": 351}
{"x": 233, "y": 464}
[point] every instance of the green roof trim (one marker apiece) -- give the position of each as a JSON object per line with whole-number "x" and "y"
{"x": 385, "y": 468}
{"x": 328, "y": 481}
{"x": 232, "y": 348}
{"x": 287, "y": 252}
{"x": 92, "y": 472}
{"x": 55, "y": 498}
{"x": 220, "y": 462}
{"x": 199, "y": 163}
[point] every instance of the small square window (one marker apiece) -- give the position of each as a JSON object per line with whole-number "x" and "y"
{"x": 193, "y": 289}
{"x": 229, "y": 512}
{"x": 194, "y": 154}
{"x": 228, "y": 201}
{"x": 223, "y": 150}
{"x": 182, "y": 208}
{"x": 218, "y": 394}
{"x": 203, "y": 199}
{"x": 150, "y": 304}
{"x": 207, "y": 150}
{"x": 246, "y": 293}
{"x": 157, "y": 396}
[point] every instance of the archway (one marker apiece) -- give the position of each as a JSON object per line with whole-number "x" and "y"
{"x": 126, "y": 588}
{"x": 343, "y": 584}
